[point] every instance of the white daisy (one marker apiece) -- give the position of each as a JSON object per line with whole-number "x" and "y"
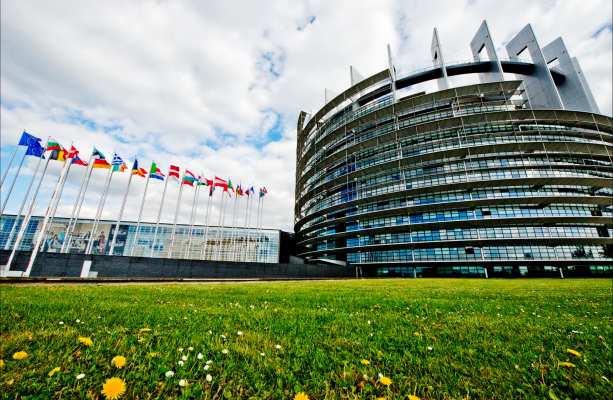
{"x": 169, "y": 373}
{"x": 80, "y": 376}
{"x": 200, "y": 356}
{"x": 225, "y": 351}
{"x": 209, "y": 378}
{"x": 182, "y": 382}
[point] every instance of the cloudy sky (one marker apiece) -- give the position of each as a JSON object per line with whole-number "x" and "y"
{"x": 218, "y": 86}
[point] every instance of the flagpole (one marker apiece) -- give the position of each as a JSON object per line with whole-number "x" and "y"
{"x": 192, "y": 219}
{"x": 248, "y": 227}
{"x": 10, "y": 162}
{"x": 240, "y": 258}
{"x": 174, "y": 224}
{"x": 12, "y": 184}
{"x": 123, "y": 205}
{"x": 140, "y": 214}
{"x": 26, "y": 220}
{"x": 74, "y": 208}
{"x": 235, "y": 227}
{"x": 221, "y": 222}
{"x": 207, "y": 223}
{"x": 68, "y": 161}
{"x": 260, "y": 233}
{"x": 159, "y": 213}
{"x": 231, "y": 236}
{"x": 44, "y": 225}
{"x": 257, "y": 218}
{"x": 230, "y": 233}
{"x": 24, "y": 199}
{"x": 109, "y": 176}
{"x": 80, "y": 200}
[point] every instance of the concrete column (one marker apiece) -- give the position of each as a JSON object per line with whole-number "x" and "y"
{"x": 438, "y": 60}
{"x": 483, "y": 42}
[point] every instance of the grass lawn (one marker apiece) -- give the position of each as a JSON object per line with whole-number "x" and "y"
{"x": 433, "y": 338}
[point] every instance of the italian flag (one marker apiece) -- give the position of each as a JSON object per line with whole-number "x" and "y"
{"x": 54, "y": 145}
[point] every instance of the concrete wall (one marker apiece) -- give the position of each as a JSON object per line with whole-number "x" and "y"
{"x": 70, "y": 265}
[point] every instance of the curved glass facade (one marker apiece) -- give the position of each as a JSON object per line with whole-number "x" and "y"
{"x": 468, "y": 177}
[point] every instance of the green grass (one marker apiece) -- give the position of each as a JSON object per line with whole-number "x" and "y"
{"x": 492, "y": 339}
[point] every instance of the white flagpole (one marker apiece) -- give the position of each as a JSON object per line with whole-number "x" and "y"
{"x": 10, "y": 162}
{"x": 12, "y": 184}
{"x": 260, "y": 233}
{"x": 22, "y": 229}
{"x": 192, "y": 219}
{"x": 123, "y": 205}
{"x": 68, "y": 161}
{"x": 109, "y": 176}
{"x": 257, "y": 231}
{"x": 174, "y": 224}
{"x": 140, "y": 214}
{"x": 24, "y": 199}
{"x": 248, "y": 227}
{"x": 155, "y": 234}
{"x": 218, "y": 225}
{"x": 74, "y": 208}
{"x": 45, "y": 221}
{"x": 81, "y": 199}
{"x": 234, "y": 235}
{"x": 240, "y": 258}
{"x": 230, "y": 235}
{"x": 250, "y": 214}
{"x": 207, "y": 223}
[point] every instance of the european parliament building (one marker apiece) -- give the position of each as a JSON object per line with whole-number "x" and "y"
{"x": 509, "y": 175}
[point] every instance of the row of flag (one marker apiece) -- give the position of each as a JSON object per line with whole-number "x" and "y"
{"x": 59, "y": 153}
{"x": 99, "y": 161}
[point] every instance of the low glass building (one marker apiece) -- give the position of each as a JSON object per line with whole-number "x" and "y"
{"x": 497, "y": 178}
{"x": 230, "y": 244}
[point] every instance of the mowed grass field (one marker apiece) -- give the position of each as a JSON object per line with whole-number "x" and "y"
{"x": 432, "y": 338}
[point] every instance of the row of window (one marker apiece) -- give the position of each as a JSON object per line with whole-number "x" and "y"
{"x": 485, "y": 253}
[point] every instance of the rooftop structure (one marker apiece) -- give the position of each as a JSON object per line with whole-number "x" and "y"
{"x": 501, "y": 174}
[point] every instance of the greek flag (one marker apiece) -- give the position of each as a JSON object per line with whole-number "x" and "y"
{"x": 117, "y": 160}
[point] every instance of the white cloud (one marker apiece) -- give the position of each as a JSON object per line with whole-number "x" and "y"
{"x": 218, "y": 86}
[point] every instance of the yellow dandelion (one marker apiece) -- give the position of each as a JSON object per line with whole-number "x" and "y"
{"x": 10, "y": 382}
{"x": 119, "y": 361}
{"x": 86, "y": 341}
{"x": 53, "y": 371}
{"x": 386, "y": 381}
{"x": 113, "y": 388}
{"x": 365, "y": 362}
{"x": 380, "y": 398}
{"x": 567, "y": 364}
{"x": 20, "y": 355}
{"x": 145, "y": 330}
{"x": 575, "y": 352}
{"x": 379, "y": 352}
{"x": 411, "y": 397}
{"x": 1, "y": 363}
{"x": 301, "y": 396}
{"x": 141, "y": 340}
{"x": 417, "y": 334}
{"x": 153, "y": 354}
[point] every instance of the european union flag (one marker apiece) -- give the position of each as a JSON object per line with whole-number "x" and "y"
{"x": 28, "y": 140}
{"x": 36, "y": 150}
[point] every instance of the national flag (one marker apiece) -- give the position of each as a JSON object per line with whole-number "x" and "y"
{"x": 204, "y": 181}
{"x": 59, "y": 155}
{"x": 98, "y": 154}
{"x": 239, "y": 191}
{"x": 221, "y": 183}
{"x": 230, "y": 184}
{"x": 173, "y": 175}
{"x": 28, "y": 140}
{"x": 189, "y": 178}
{"x": 36, "y": 150}
{"x": 156, "y": 173}
{"x": 138, "y": 171}
{"x": 118, "y": 164}
{"x": 250, "y": 190}
{"x": 264, "y": 190}
{"x": 54, "y": 145}
{"x": 100, "y": 160}
{"x": 73, "y": 152}
{"x": 78, "y": 161}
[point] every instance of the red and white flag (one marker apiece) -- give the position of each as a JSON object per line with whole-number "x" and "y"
{"x": 73, "y": 152}
{"x": 221, "y": 183}
{"x": 173, "y": 175}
